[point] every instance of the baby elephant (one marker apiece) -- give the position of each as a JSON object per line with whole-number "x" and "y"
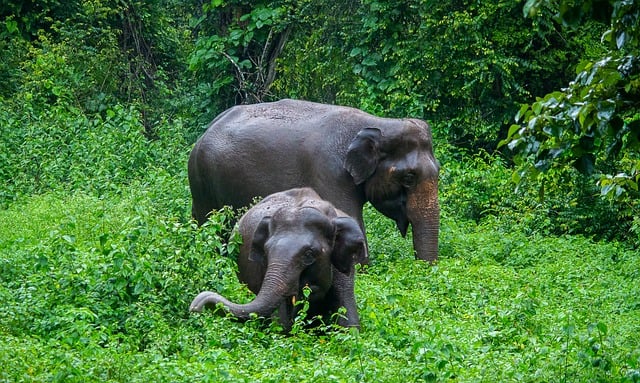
{"x": 294, "y": 239}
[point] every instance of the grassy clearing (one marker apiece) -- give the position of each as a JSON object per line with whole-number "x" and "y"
{"x": 97, "y": 289}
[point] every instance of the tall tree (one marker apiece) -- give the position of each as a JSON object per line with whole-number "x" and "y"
{"x": 465, "y": 65}
{"x": 593, "y": 124}
{"x": 237, "y": 48}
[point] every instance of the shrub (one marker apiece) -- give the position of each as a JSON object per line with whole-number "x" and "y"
{"x": 86, "y": 277}
{"x": 478, "y": 187}
{"x": 65, "y": 149}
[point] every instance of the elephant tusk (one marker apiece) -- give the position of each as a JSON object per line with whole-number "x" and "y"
{"x": 293, "y": 300}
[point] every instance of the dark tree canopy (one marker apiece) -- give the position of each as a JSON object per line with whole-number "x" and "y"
{"x": 593, "y": 123}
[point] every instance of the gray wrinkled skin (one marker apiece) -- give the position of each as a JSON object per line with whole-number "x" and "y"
{"x": 294, "y": 239}
{"x": 347, "y": 156}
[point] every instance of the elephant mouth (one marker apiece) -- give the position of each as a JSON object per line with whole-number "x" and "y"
{"x": 403, "y": 225}
{"x": 293, "y": 302}
{"x": 396, "y": 209}
{"x": 314, "y": 295}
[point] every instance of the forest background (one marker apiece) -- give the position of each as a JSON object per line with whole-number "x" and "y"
{"x": 535, "y": 111}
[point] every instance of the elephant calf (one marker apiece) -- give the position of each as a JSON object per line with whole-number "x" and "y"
{"x": 294, "y": 239}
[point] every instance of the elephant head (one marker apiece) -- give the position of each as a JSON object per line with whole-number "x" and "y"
{"x": 399, "y": 173}
{"x": 293, "y": 247}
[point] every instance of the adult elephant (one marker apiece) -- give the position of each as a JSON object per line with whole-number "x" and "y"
{"x": 348, "y": 156}
{"x": 290, "y": 240}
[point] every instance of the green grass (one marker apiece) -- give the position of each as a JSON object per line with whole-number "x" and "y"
{"x": 97, "y": 289}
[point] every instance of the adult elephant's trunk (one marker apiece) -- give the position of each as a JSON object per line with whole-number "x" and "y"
{"x": 272, "y": 293}
{"x": 423, "y": 212}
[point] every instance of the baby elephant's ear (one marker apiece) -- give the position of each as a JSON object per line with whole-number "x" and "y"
{"x": 349, "y": 247}
{"x": 260, "y": 236}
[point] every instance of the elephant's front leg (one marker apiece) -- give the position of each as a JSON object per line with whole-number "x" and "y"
{"x": 344, "y": 285}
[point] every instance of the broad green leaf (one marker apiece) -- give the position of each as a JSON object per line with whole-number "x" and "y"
{"x": 512, "y": 144}
{"x": 139, "y": 288}
{"x": 583, "y": 66}
{"x": 551, "y": 103}
{"x": 12, "y": 26}
{"x": 537, "y": 107}
{"x": 552, "y": 130}
{"x": 513, "y": 129}
{"x": 621, "y": 39}
{"x": 606, "y": 109}
{"x": 531, "y": 8}
{"x": 521, "y": 113}
{"x": 585, "y": 119}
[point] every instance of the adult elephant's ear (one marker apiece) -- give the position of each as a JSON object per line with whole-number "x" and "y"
{"x": 363, "y": 154}
{"x": 260, "y": 236}
{"x": 349, "y": 245}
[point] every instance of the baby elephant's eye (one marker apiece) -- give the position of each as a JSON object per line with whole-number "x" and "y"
{"x": 308, "y": 257}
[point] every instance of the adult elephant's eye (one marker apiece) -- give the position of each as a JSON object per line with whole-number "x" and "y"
{"x": 408, "y": 179}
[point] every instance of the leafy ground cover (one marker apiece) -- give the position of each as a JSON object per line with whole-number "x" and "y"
{"x": 96, "y": 288}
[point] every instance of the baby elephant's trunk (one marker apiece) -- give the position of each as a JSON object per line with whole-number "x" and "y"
{"x": 260, "y": 306}
{"x": 272, "y": 293}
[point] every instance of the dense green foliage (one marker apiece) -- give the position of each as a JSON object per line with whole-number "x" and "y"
{"x": 101, "y": 100}
{"x": 97, "y": 289}
{"x": 465, "y": 64}
{"x": 593, "y": 124}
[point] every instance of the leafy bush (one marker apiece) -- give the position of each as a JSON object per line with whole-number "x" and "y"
{"x": 62, "y": 149}
{"x": 478, "y": 187}
{"x": 236, "y": 50}
{"x": 592, "y": 124}
{"x": 101, "y": 270}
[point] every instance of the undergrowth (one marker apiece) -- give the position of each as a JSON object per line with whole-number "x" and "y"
{"x": 97, "y": 289}
{"x": 99, "y": 261}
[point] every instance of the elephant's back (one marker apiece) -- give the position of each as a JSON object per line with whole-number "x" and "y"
{"x": 289, "y": 119}
{"x": 276, "y": 145}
